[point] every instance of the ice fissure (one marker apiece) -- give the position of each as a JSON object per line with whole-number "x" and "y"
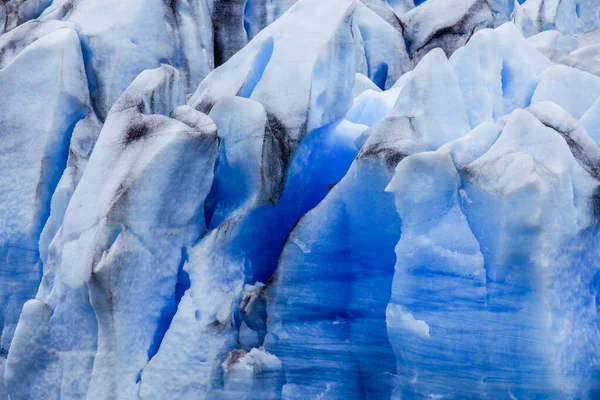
{"x": 280, "y": 199}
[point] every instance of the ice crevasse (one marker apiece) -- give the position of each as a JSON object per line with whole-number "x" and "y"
{"x": 207, "y": 199}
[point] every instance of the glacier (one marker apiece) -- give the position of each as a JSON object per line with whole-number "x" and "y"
{"x": 281, "y": 199}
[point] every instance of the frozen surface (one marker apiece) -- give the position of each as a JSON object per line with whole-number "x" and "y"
{"x": 280, "y": 199}
{"x": 566, "y": 16}
{"x": 58, "y": 106}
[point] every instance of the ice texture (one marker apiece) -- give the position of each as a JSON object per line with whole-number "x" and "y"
{"x": 299, "y": 199}
{"x": 566, "y": 16}
{"x": 60, "y": 113}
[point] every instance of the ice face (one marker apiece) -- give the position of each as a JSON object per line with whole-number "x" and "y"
{"x": 60, "y": 108}
{"x": 150, "y": 33}
{"x": 340, "y": 350}
{"x": 15, "y": 12}
{"x": 364, "y": 199}
{"x": 487, "y": 72}
{"x": 552, "y": 86}
{"x": 384, "y": 58}
{"x": 446, "y": 24}
{"x": 504, "y": 278}
{"x": 570, "y": 17}
{"x": 90, "y": 273}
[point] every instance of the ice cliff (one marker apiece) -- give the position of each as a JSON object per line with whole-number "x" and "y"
{"x": 279, "y": 199}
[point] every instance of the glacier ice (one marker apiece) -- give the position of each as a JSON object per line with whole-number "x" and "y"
{"x": 448, "y": 24}
{"x": 92, "y": 261}
{"x": 63, "y": 115}
{"x": 120, "y": 40}
{"x": 567, "y": 16}
{"x": 16, "y": 12}
{"x": 503, "y": 281}
{"x": 300, "y": 199}
{"x": 580, "y": 51}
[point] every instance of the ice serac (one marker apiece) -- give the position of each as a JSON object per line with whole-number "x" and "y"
{"x": 258, "y": 14}
{"x": 381, "y": 52}
{"x": 432, "y": 102}
{"x": 120, "y": 40}
{"x": 339, "y": 350}
{"x": 16, "y": 12}
{"x": 114, "y": 267}
{"x": 495, "y": 226}
{"x": 237, "y": 22}
{"x": 566, "y": 43}
{"x": 230, "y": 34}
{"x": 41, "y": 109}
{"x": 385, "y": 11}
{"x": 240, "y": 21}
{"x": 567, "y": 16}
{"x": 435, "y": 249}
{"x": 266, "y": 61}
{"x": 248, "y": 160}
{"x": 326, "y": 302}
{"x": 243, "y": 246}
{"x": 573, "y": 50}
{"x": 572, "y": 89}
{"x": 312, "y": 80}
{"x": 83, "y": 139}
{"x": 498, "y": 72}
{"x": 275, "y": 144}
{"x": 487, "y": 245}
{"x": 447, "y": 24}
{"x": 555, "y": 40}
